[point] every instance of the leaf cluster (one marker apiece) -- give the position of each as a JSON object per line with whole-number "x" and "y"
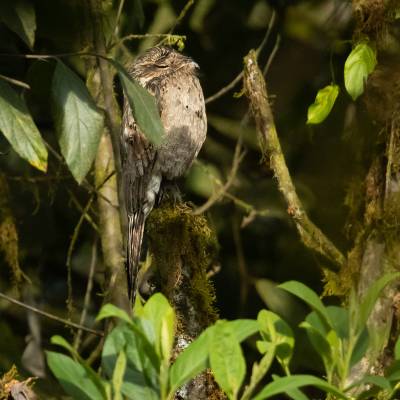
{"x": 136, "y": 354}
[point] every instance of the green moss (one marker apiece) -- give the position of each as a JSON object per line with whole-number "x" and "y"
{"x": 184, "y": 244}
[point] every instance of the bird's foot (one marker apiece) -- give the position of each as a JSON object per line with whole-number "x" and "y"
{"x": 169, "y": 192}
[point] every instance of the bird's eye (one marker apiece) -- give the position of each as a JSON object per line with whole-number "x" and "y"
{"x": 161, "y": 65}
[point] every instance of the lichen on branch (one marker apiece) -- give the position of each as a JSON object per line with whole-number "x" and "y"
{"x": 256, "y": 91}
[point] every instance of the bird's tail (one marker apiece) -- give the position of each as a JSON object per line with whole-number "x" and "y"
{"x": 135, "y": 237}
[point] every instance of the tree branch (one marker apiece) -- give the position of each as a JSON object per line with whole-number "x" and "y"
{"x": 256, "y": 91}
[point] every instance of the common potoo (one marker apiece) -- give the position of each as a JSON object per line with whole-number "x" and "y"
{"x": 171, "y": 78}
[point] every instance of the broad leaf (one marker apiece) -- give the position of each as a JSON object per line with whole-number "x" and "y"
{"x": 307, "y": 295}
{"x": 110, "y": 310}
{"x": 192, "y": 361}
{"x": 143, "y": 105}
{"x": 359, "y": 64}
{"x": 73, "y": 377}
{"x": 288, "y": 383}
{"x": 19, "y": 16}
{"x": 142, "y": 366}
{"x": 158, "y": 321}
{"x": 79, "y": 123}
{"x": 18, "y": 127}
{"x": 323, "y": 104}
{"x": 226, "y": 359}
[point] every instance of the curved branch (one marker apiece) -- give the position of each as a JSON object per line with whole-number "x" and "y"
{"x": 256, "y": 91}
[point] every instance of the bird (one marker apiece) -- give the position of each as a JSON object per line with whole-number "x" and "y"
{"x": 172, "y": 78}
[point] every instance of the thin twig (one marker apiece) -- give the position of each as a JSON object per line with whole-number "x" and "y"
{"x": 146, "y": 35}
{"x": 237, "y": 158}
{"x": 88, "y": 293}
{"x": 81, "y": 209}
{"x": 119, "y": 12}
{"x": 50, "y": 316}
{"x": 71, "y": 249}
{"x": 256, "y": 91}
{"x": 239, "y": 77}
{"x": 182, "y": 15}
{"x": 272, "y": 55}
{"x": 15, "y": 81}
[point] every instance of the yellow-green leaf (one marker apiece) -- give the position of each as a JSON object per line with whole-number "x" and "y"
{"x": 18, "y": 127}
{"x": 323, "y": 104}
{"x": 359, "y": 64}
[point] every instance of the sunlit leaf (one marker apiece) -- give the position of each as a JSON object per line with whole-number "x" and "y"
{"x": 18, "y": 127}
{"x": 19, "y": 16}
{"x": 323, "y": 104}
{"x": 79, "y": 123}
{"x": 359, "y": 64}
{"x": 161, "y": 330}
{"x": 143, "y": 105}
{"x": 110, "y": 310}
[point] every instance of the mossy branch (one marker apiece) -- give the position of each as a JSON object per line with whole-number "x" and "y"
{"x": 256, "y": 91}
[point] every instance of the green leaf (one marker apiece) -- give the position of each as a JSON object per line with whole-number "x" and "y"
{"x": 142, "y": 368}
{"x": 18, "y": 127}
{"x": 319, "y": 341}
{"x": 60, "y": 341}
{"x": 275, "y": 330}
{"x": 143, "y": 105}
{"x": 111, "y": 311}
{"x": 118, "y": 375}
{"x": 288, "y": 383}
{"x": 280, "y": 301}
{"x": 79, "y": 123}
{"x": 192, "y": 361}
{"x": 359, "y": 64}
{"x": 161, "y": 330}
{"x": 371, "y": 297}
{"x": 19, "y": 16}
{"x": 243, "y": 328}
{"x": 73, "y": 377}
{"x": 309, "y": 296}
{"x": 226, "y": 359}
{"x": 295, "y": 394}
{"x": 323, "y": 104}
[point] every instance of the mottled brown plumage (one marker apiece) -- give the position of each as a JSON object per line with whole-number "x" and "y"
{"x": 171, "y": 78}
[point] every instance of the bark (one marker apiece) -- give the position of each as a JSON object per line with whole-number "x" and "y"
{"x": 184, "y": 248}
{"x": 378, "y": 243}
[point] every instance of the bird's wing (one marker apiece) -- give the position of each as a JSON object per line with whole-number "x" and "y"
{"x": 137, "y": 157}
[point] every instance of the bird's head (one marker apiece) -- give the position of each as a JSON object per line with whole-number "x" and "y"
{"x": 163, "y": 61}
